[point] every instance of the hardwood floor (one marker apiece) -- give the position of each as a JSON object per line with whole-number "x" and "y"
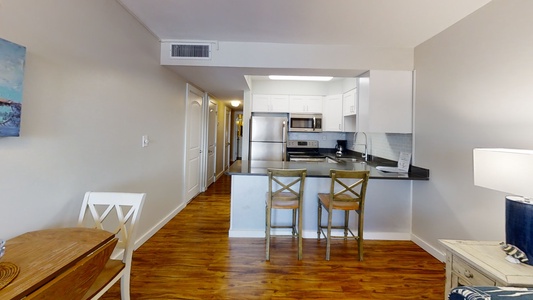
{"x": 192, "y": 257}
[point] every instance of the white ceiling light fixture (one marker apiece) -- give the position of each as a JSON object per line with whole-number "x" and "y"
{"x": 301, "y": 78}
{"x": 235, "y": 103}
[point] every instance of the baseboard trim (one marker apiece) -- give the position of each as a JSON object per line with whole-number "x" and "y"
{"x": 246, "y": 234}
{"x": 217, "y": 177}
{"x": 429, "y": 248}
{"x": 311, "y": 234}
{"x": 142, "y": 239}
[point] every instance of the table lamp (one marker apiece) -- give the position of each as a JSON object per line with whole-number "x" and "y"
{"x": 510, "y": 171}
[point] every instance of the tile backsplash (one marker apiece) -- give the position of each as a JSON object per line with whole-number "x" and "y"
{"x": 385, "y": 145}
{"x": 325, "y": 139}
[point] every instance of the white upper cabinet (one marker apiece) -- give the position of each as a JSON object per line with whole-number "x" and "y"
{"x": 332, "y": 113}
{"x": 349, "y": 103}
{"x": 385, "y": 102}
{"x": 305, "y": 104}
{"x": 270, "y": 103}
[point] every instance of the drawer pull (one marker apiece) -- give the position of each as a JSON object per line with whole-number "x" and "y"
{"x": 468, "y": 274}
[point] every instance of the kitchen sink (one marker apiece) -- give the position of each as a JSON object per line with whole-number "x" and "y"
{"x": 337, "y": 160}
{"x": 350, "y": 159}
{"x": 331, "y": 161}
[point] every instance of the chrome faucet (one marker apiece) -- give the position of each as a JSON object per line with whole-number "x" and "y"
{"x": 365, "y": 154}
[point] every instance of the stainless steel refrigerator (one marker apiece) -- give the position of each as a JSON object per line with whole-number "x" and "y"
{"x": 268, "y": 138}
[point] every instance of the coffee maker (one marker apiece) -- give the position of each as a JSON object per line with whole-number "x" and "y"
{"x": 340, "y": 147}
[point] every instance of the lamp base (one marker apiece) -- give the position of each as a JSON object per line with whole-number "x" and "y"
{"x": 519, "y": 224}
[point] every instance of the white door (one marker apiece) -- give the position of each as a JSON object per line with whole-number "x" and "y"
{"x": 227, "y": 139}
{"x": 194, "y": 141}
{"x": 211, "y": 143}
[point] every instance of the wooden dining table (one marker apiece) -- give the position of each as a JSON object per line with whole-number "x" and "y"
{"x": 41, "y": 256}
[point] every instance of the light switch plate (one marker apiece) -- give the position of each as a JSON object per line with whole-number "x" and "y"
{"x": 145, "y": 141}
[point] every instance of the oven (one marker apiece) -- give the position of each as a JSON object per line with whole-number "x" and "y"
{"x": 304, "y": 151}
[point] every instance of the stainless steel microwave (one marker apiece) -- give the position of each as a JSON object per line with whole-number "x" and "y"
{"x": 305, "y": 122}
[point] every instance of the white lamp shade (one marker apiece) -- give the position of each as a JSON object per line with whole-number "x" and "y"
{"x": 505, "y": 170}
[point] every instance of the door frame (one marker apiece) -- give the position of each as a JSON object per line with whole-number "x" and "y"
{"x": 235, "y": 140}
{"x": 201, "y": 172}
{"x": 227, "y": 137}
{"x": 210, "y": 102}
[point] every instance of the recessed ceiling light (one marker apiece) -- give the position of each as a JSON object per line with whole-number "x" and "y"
{"x": 235, "y": 103}
{"x": 303, "y": 78}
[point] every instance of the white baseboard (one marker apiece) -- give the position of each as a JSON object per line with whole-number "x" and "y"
{"x": 311, "y": 234}
{"x": 217, "y": 177}
{"x": 429, "y": 248}
{"x": 247, "y": 233}
{"x": 142, "y": 239}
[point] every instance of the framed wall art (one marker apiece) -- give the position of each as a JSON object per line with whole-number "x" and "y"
{"x": 12, "y": 60}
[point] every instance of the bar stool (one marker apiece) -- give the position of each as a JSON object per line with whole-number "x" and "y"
{"x": 350, "y": 195}
{"x": 285, "y": 191}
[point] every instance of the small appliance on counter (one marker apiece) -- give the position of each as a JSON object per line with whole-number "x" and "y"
{"x": 340, "y": 147}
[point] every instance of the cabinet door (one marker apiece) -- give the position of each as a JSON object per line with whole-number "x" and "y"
{"x": 314, "y": 104}
{"x": 385, "y": 102}
{"x": 332, "y": 113}
{"x": 270, "y": 103}
{"x": 305, "y": 104}
{"x": 261, "y": 103}
{"x": 279, "y": 103}
{"x": 349, "y": 103}
{"x": 297, "y": 104}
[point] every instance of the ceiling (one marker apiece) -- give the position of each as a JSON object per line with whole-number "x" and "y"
{"x": 361, "y": 23}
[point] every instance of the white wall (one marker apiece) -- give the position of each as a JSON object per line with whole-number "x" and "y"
{"x": 290, "y": 87}
{"x": 93, "y": 86}
{"x": 474, "y": 89}
{"x": 323, "y": 88}
{"x": 341, "y": 58}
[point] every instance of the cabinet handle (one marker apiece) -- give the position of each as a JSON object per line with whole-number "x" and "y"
{"x": 468, "y": 274}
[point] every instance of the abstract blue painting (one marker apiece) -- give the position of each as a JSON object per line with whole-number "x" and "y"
{"x": 12, "y": 59}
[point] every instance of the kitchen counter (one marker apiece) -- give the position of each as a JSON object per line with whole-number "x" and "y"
{"x": 321, "y": 169}
{"x": 387, "y": 209}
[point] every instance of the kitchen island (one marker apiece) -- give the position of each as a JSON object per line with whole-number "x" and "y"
{"x": 387, "y": 208}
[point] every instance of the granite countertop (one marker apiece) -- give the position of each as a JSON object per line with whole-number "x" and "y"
{"x": 348, "y": 161}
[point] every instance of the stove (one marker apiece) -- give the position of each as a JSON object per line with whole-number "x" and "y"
{"x": 304, "y": 151}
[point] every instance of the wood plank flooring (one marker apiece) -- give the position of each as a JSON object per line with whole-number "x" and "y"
{"x": 192, "y": 257}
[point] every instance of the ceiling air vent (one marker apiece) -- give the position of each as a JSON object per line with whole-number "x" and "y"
{"x": 191, "y": 51}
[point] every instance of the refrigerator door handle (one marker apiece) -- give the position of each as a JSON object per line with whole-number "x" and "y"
{"x": 284, "y": 139}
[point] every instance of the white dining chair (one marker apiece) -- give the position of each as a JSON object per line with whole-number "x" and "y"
{"x": 117, "y": 213}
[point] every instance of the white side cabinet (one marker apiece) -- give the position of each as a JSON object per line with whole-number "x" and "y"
{"x": 482, "y": 263}
{"x": 332, "y": 113}
{"x": 305, "y": 104}
{"x": 270, "y": 103}
{"x": 349, "y": 103}
{"x": 385, "y": 102}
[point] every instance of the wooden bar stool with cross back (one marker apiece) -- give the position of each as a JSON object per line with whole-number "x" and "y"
{"x": 347, "y": 193}
{"x": 285, "y": 191}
